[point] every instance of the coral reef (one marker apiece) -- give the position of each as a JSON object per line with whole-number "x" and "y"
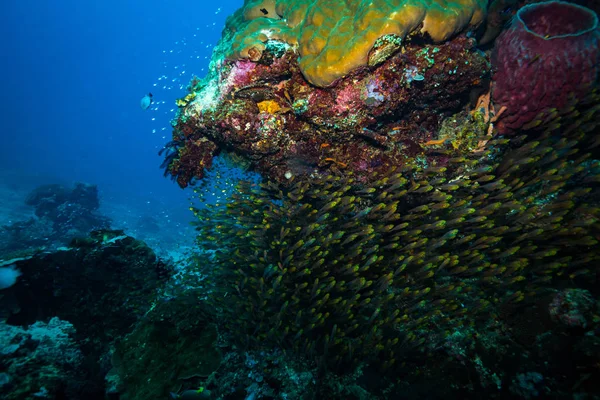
{"x": 266, "y": 113}
{"x": 545, "y": 62}
{"x": 67, "y": 209}
{"x": 25, "y": 235}
{"x": 397, "y": 228}
{"x": 102, "y": 271}
{"x": 61, "y": 214}
{"x": 418, "y": 232}
{"x": 101, "y": 284}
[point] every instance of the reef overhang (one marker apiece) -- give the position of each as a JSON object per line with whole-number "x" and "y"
{"x": 262, "y": 102}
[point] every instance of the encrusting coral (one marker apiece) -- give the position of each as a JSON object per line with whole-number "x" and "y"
{"x": 267, "y": 113}
{"x": 335, "y": 37}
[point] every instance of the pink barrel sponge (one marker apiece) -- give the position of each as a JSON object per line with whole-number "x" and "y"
{"x": 548, "y": 57}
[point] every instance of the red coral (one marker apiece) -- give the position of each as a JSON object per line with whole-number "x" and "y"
{"x": 549, "y": 54}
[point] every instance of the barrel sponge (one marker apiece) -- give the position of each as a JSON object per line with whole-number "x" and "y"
{"x": 333, "y": 37}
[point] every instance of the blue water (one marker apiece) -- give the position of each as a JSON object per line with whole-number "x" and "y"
{"x": 73, "y": 74}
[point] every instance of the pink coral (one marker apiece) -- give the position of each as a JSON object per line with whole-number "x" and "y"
{"x": 549, "y": 55}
